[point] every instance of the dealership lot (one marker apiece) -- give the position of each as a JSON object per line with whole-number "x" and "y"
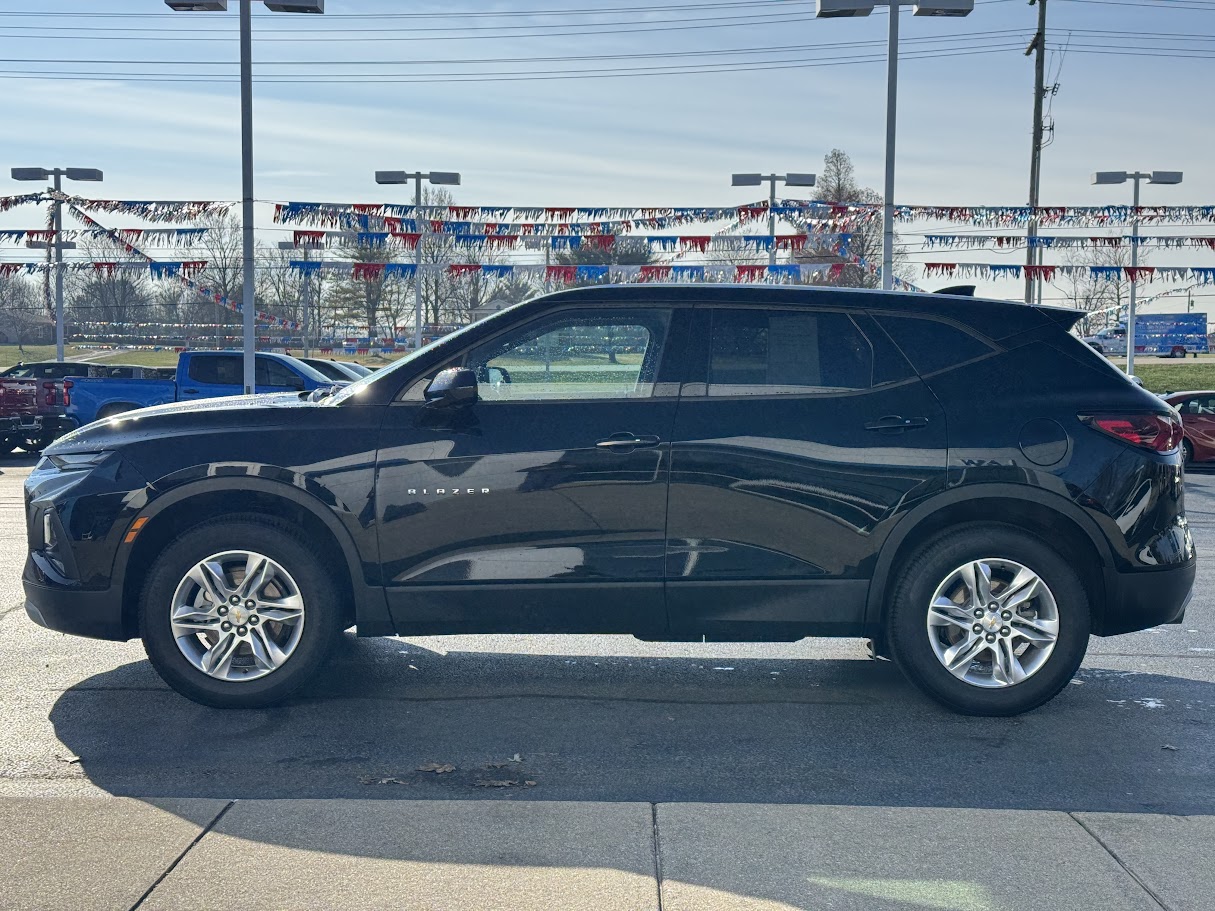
{"x": 606, "y": 772}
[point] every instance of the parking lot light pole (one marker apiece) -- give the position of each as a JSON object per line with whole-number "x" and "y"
{"x": 837, "y": 9}
{"x": 755, "y": 180}
{"x": 248, "y": 303}
{"x": 442, "y": 178}
{"x": 1105, "y": 178}
{"x": 57, "y": 243}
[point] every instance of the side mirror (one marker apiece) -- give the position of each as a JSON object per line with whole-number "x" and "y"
{"x": 453, "y": 386}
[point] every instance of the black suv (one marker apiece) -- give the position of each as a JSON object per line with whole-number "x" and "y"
{"x": 961, "y": 481}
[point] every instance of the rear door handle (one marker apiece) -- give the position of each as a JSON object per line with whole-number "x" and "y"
{"x": 620, "y": 442}
{"x": 190, "y": 391}
{"x": 896, "y": 423}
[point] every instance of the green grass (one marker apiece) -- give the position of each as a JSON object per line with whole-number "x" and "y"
{"x": 10, "y": 354}
{"x": 1176, "y": 377}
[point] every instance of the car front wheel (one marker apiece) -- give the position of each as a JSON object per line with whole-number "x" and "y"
{"x": 238, "y": 613}
{"x": 989, "y": 621}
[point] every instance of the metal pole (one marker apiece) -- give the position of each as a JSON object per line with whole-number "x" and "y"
{"x": 417, "y": 275}
{"x": 772, "y": 221}
{"x": 248, "y": 304}
{"x": 307, "y": 295}
{"x": 1033, "y": 254}
{"x": 892, "y": 79}
{"x": 1130, "y": 312}
{"x": 58, "y": 241}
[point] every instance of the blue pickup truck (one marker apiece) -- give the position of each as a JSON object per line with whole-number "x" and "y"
{"x": 200, "y": 375}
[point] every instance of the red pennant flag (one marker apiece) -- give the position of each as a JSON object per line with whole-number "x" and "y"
{"x": 463, "y": 268}
{"x": 560, "y": 214}
{"x": 309, "y": 238}
{"x": 392, "y": 225}
{"x": 563, "y": 274}
{"x": 368, "y": 271}
{"x": 408, "y": 240}
{"x": 699, "y": 244}
{"x": 462, "y": 213}
{"x": 945, "y": 269}
{"x": 367, "y": 208}
{"x": 500, "y": 240}
{"x": 749, "y": 273}
{"x": 1139, "y": 273}
{"x": 105, "y": 268}
{"x": 193, "y": 267}
{"x": 1046, "y": 273}
{"x": 9, "y": 268}
{"x": 599, "y": 241}
{"x": 654, "y": 273}
{"x": 791, "y": 241}
{"x": 746, "y": 213}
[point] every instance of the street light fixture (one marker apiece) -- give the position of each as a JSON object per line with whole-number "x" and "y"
{"x": 58, "y": 244}
{"x": 755, "y": 180}
{"x": 1106, "y": 178}
{"x": 248, "y": 293}
{"x": 439, "y": 178}
{"x": 834, "y": 9}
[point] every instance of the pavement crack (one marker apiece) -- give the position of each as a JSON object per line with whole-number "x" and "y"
{"x": 1118, "y": 860}
{"x": 657, "y": 853}
{"x": 180, "y": 857}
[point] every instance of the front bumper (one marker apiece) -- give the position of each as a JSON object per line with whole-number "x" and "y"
{"x": 1141, "y": 600}
{"x": 70, "y": 609}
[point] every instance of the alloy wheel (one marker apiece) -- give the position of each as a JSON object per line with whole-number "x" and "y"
{"x": 237, "y": 615}
{"x": 993, "y": 622}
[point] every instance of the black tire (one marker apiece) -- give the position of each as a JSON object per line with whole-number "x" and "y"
{"x": 38, "y": 443}
{"x": 278, "y": 540}
{"x": 931, "y": 565}
{"x": 8, "y": 444}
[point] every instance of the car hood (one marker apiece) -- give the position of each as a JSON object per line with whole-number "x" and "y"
{"x": 180, "y": 418}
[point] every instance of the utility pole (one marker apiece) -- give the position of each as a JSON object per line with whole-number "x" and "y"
{"x": 1038, "y": 46}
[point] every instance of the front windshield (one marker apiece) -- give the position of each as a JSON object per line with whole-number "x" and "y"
{"x": 388, "y": 374}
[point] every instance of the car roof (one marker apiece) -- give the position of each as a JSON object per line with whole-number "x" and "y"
{"x": 995, "y": 318}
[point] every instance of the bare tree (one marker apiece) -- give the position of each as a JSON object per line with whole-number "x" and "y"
{"x": 23, "y": 319}
{"x": 1101, "y": 298}
{"x": 837, "y": 184}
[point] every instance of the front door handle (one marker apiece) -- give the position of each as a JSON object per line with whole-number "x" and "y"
{"x": 896, "y": 423}
{"x": 626, "y": 442}
{"x": 190, "y": 391}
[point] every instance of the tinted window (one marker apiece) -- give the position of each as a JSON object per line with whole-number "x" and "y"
{"x": 931, "y": 345}
{"x": 760, "y": 352}
{"x": 217, "y": 370}
{"x": 1204, "y": 405}
{"x": 273, "y": 373}
{"x": 582, "y": 355}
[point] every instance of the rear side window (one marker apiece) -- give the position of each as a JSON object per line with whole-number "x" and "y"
{"x": 217, "y": 370}
{"x": 931, "y": 345}
{"x": 763, "y": 352}
{"x": 272, "y": 373}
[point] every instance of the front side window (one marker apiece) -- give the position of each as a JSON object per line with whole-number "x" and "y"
{"x": 611, "y": 354}
{"x": 761, "y": 352}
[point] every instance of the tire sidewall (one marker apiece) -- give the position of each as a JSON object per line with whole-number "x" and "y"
{"x": 907, "y": 622}
{"x": 281, "y": 544}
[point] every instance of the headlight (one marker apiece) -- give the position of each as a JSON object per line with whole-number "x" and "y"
{"x": 77, "y": 461}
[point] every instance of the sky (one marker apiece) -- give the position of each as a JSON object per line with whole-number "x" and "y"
{"x": 1133, "y": 93}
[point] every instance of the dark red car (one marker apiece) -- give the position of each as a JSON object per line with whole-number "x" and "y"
{"x": 1198, "y": 420}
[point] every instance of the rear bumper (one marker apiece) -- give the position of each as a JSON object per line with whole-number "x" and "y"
{"x": 22, "y": 423}
{"x": 1141, "y": 600}
{"x": 70, "y": 609}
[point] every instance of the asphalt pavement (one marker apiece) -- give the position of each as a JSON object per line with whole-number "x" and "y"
{"x": 604, "y": 772}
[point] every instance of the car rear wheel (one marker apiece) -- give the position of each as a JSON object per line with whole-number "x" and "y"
{"x": 987, "y": 620}
{"x": 239, "y": 613}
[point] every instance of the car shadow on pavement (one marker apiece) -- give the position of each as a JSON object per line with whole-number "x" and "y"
{"x": 387, "y": 718}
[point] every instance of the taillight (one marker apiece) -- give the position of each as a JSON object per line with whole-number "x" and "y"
{"x": 1157, "y": 432}
{"x": 52, "y": 394}
{"x": 67, "y": 393}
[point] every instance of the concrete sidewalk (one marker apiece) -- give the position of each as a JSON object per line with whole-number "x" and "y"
{"x": 120, "y": 853}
